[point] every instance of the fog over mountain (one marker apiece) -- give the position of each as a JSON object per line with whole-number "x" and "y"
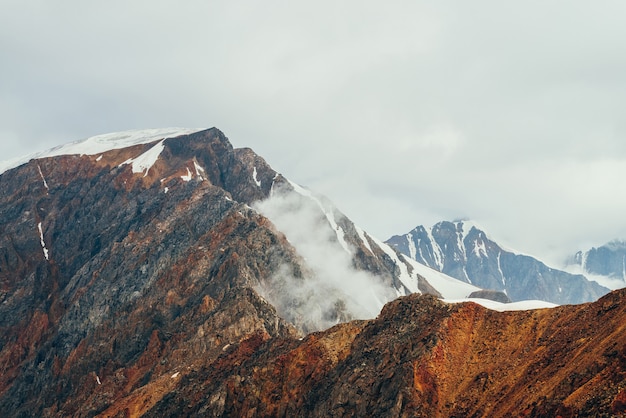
{"x": 300, "y": 219}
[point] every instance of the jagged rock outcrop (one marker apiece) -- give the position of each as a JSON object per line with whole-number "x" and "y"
{"x": 462, "y": 250}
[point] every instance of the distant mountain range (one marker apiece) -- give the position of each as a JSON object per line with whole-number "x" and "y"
{"x": 461, "y": 249}
{"x": 605, "y": 264}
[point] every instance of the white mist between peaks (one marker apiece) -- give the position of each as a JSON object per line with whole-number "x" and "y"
{"x": 335, "y": 291}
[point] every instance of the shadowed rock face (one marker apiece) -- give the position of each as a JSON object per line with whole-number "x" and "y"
{"x": 491, "y": 295}
{"x": 111, "y": 279}
{"x": 132, "y": 294}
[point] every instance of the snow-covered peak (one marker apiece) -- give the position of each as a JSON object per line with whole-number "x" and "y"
{"x": 465, "y": 226}
{"x": 468, "y": 224}
{"x": 101, "y": 143}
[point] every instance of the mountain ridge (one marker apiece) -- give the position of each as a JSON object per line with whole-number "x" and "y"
{"x": 462, "y": 250}
{"x": 161, "y": 288}
{"x": 137, "y": 149}
{"x": 108, "y": 268}
{"x": 423, "y": 357}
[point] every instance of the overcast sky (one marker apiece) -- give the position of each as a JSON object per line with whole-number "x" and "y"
{"x": 402, "y": 112}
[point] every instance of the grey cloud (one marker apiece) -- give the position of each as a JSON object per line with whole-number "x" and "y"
{"x": 401, "y": 113}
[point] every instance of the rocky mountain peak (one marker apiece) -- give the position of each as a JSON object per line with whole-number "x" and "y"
{"x": 463, "y": 250}
{"x": 154, "y": 240}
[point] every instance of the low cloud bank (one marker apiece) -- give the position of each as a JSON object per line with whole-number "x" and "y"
{"x": 331, "y": 290}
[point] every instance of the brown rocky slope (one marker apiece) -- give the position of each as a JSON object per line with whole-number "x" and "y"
{"x": 112, "y": 281}
{"x": 422, "y": 357}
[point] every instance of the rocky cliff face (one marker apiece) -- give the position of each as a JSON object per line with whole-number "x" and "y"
{"x": 462, "y": 250}
{"x": 121, "y": 269}
{"x": 112, "y": 278}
